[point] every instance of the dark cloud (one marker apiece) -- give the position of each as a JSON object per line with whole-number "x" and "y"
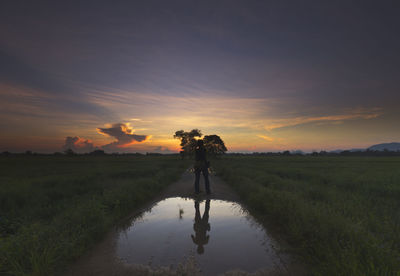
{"x": 258, "y": 46}
{"x": 124, "y": 135}
{"x": 78, "y": 144}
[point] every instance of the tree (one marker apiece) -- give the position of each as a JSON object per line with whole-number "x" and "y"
{"x": 69, "y": 152}
{"x": 97, "y": 152}
{"x": 214, "y": 144}
{"x": 188, "y": 141}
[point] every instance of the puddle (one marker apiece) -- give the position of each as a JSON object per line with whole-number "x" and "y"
{"x": 220, "y": 235}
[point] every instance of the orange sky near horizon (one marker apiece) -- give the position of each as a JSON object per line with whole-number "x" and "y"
{"x": 241, "y": 122}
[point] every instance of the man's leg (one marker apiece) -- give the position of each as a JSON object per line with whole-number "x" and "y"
{"x": 205, "y": 174}
{"x": 197, "y": 216}
{"x": 206, "y": 211}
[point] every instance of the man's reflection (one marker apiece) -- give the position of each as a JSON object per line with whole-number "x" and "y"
{"x": 201, "y": 226}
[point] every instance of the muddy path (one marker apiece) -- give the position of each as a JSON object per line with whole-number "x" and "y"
{"x": 102, "y": 260}
{"x": 185, "y": 188}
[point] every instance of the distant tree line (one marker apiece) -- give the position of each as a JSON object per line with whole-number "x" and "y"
{"x": 325, "y": 153}
{"x": 70, "y": 152}
{"x": 215, "y": 146}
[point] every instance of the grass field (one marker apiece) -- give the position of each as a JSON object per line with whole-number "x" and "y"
{"x": 341, "y": 215}
{"x": 53, "y": 208}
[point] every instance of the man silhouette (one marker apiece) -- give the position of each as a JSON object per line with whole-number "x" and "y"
{"x": 201, "y": 166}
{"x": 201, "y": 226}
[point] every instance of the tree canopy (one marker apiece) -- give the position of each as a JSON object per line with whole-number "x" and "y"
{"x": 213, "y": 143}
{"x": 188, "y": 141}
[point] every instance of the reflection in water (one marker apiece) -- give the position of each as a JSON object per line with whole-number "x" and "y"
{"x": 201, "y": 226}
{"x": 163, "y": 236}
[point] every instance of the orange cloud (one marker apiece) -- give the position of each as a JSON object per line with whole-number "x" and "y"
{"x": 148, "y": 137}
{"x": 78, "y": 144}
{"x": 267, "y": 138}
{"x": 124, "y": 134}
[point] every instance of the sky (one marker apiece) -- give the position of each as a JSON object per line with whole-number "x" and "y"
{"x": 123, "y": 76}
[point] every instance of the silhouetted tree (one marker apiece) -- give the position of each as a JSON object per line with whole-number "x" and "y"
{"x": 69, "y": 152}
{"x": 97, "y": 152}
{"x": 214, "y": 144}
{"x": 188, "y": 141}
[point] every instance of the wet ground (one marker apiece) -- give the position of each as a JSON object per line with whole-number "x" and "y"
{"x": 216, "y": 233}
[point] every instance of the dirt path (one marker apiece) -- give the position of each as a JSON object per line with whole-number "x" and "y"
{"x": 100, "y": 260}
{"x": 185, "y": 188}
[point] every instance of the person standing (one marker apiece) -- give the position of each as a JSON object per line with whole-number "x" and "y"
{"x": 201, "y": 166}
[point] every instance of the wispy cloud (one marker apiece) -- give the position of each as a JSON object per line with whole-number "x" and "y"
{"x": 267, "y": 138}
{"x": 200, "y": 110}
{"x": 364, "y": 114}
{"x": 20, "y": 81}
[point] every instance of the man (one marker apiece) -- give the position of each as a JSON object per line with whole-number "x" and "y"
{"x": 201, "y": 166}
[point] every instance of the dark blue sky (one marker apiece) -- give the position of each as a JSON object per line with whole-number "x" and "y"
{"x": 299, "y": 68}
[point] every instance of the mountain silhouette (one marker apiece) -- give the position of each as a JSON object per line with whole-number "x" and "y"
{"x": 388, "y": 146}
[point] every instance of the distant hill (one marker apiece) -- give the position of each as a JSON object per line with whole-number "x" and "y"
{"x": 387, "y": 146}
{"x": 378, "y": 147}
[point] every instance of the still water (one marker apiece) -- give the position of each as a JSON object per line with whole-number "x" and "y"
{"x": 221, "y": 236}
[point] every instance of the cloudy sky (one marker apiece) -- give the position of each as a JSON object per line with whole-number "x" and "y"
{"x": 264, "y": 75}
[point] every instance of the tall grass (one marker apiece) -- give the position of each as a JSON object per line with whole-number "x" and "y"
{"x": 341, "y": 215}
{"x": 52, "y": 208}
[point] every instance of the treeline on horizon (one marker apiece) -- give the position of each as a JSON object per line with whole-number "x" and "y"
{"x": 367, "y": 152}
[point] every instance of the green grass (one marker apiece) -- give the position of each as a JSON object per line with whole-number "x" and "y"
{"x": 341, "y": 215}
{"x": 53, "y": 208}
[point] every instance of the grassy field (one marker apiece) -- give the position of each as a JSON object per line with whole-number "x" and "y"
{"x": 341, "y": 215}
{"x": 53, "y": 208}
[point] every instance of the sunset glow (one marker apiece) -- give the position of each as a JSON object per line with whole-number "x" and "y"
{"x": 264, "y": 77}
